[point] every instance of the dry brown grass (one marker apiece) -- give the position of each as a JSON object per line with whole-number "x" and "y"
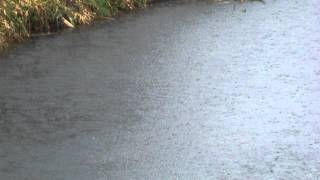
{"x": 20, "y": 18}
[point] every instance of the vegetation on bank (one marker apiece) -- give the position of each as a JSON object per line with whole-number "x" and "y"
{"x": 20, "y": 18}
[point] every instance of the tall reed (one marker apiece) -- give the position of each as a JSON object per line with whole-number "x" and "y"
{"x": 20, "y": 18}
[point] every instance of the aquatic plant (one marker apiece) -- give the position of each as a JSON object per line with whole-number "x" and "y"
{"x": 20, "y": 18}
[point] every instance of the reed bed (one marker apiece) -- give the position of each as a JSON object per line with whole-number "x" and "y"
{"x": 21, "y": 18}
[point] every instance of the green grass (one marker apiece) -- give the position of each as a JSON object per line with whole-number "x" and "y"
{"x": 21, "y": 18}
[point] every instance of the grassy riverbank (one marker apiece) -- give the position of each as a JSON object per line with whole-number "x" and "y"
{"x": 21, "y": 18}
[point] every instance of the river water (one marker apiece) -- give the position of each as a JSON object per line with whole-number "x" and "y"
{"x": 180, "y": 90}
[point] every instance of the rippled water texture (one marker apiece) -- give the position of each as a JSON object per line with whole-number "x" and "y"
{"x": 182, "y": 90}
